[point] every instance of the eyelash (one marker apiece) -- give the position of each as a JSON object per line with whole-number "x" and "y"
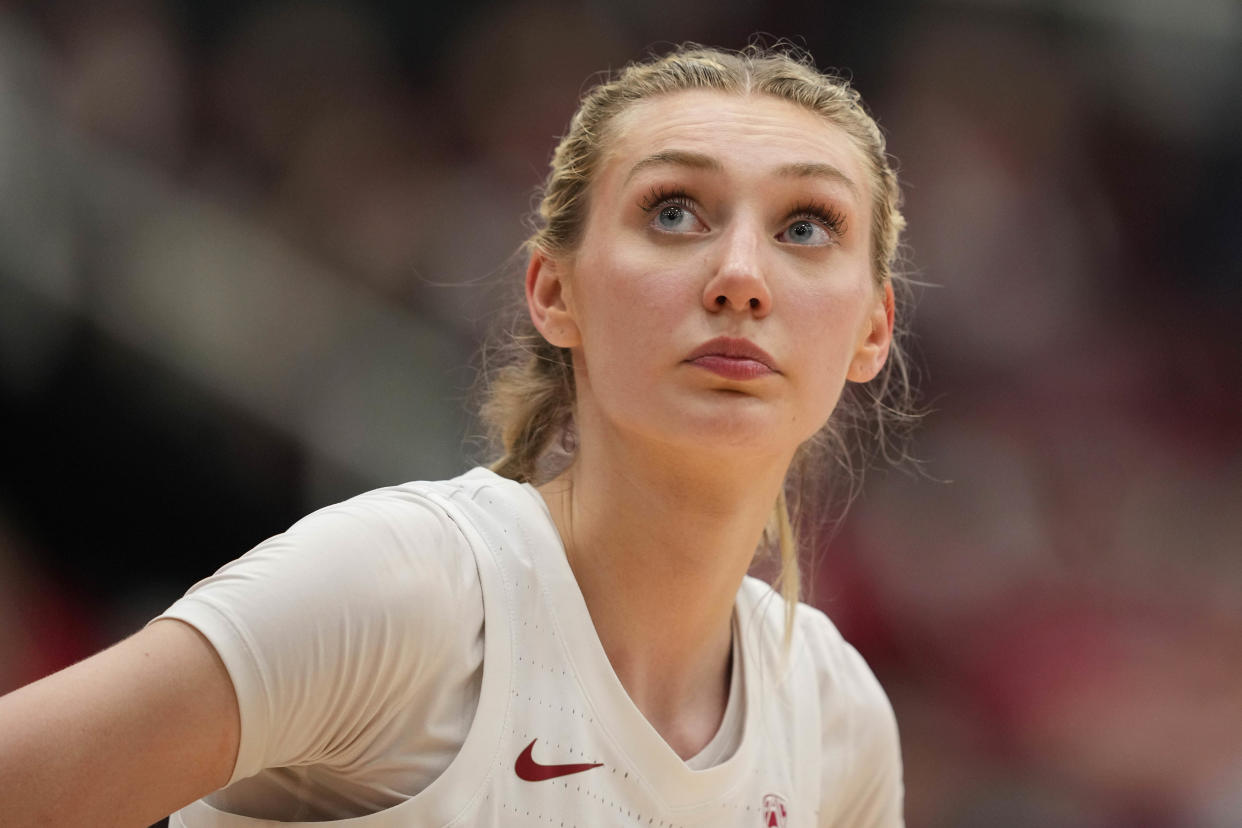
{"x": 832, "y": 220}
{"x": 660, "y": 196}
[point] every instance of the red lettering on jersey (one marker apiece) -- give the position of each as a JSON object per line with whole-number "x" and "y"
{"x": 774, "y": 813}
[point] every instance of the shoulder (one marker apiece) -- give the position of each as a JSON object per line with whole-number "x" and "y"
{"x": 861, "y": 749}
{"x": 386, "y": 543}
{"x": 843, "y": 673}
{"x": 417, "y": 511}
{"x": 404, "y": 533}
{"x": 373, "y": 552}
{"x": 388, "y": 561}
{"x": 817, "y": 646}
{"x": 860, "y": 752}
{"x": 328, "y": 627}
{"x": 392, "y": 560}
{"x": 422, "y": 506}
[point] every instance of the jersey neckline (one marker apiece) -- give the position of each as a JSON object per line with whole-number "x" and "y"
{"x": 673, "y": 782}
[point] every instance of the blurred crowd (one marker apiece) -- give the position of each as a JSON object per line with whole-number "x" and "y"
{"x": 248, "y": 251}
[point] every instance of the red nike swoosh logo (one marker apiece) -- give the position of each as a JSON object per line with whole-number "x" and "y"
{"x": 531, "y": 771}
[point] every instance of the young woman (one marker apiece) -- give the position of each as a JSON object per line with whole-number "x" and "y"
{"x": 569, "y": 638}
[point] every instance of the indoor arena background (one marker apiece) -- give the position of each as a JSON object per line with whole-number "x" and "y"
{"x": 247, "y": 252}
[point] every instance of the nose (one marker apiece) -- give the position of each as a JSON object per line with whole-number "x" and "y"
{"x": 738, "y": 282}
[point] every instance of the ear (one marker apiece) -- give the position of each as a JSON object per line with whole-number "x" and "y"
{"x": 875, "y": 340}
{"x": 546, "y": 298}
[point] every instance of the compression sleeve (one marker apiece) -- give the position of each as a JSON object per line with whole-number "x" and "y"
{"x": 351, "y": 634}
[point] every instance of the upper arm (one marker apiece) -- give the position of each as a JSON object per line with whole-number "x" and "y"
{"x": 332, "y": 631}
{"x": 122, "y": 738}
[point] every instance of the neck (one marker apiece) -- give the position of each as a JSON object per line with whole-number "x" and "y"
{"x": 659, "y": 551}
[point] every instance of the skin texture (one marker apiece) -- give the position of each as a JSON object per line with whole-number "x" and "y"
{"x": 678, "y": 467}
{"x": 631, "y": 283}
{"x": 123, "y": 738}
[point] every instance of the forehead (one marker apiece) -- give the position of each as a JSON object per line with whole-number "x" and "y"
{"x": 751, "y": 133}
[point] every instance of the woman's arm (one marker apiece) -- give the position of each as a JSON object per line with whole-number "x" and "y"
{"x": 122, "y": 738}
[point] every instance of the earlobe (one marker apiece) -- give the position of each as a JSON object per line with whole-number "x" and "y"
{"x": 877, "y": 339}
{"x": 546, "y": 298}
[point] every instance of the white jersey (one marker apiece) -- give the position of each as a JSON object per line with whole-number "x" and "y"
{"x": 553, "y": 738}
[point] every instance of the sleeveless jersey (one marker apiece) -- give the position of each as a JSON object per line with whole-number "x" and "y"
{"x": 555, "y": 739}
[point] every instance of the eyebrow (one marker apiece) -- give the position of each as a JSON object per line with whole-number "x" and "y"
{"x": 676, "y": 158}
{"x": 699, "y": 161}
{"x": 815, "y": 169}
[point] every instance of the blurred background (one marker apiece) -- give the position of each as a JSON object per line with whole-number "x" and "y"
{"x": 248, "y": 251}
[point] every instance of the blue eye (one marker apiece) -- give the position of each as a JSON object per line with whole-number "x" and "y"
{"x": 673, "y": 211}
{"x": 674, "y": 219}
{"x": 806, "y": 232}
{"x": 813, "y": 225}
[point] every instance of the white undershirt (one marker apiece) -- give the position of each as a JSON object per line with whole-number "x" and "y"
{"x": 729, "y": 734}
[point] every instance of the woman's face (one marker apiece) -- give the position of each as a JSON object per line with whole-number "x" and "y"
{"x": 722, "y": 292}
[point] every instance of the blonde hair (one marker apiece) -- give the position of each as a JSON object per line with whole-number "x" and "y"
{"x": 529, "y": 404}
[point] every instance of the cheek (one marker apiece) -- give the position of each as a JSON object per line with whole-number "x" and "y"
{"x": 627, "y": 304}
{"x": 830, "y": 318}
{"x": 827, "y": 324}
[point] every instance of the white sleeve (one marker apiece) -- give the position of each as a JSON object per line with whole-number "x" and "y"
{"x": 330, "y": 627}
{"x": 862, "y": 780}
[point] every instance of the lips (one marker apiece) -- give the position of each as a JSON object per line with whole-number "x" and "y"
{"x": 733, "y": 358}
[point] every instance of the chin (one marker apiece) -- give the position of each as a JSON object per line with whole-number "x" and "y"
{"x": 749, "y": 428}
{"x": 743, "y": 424}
